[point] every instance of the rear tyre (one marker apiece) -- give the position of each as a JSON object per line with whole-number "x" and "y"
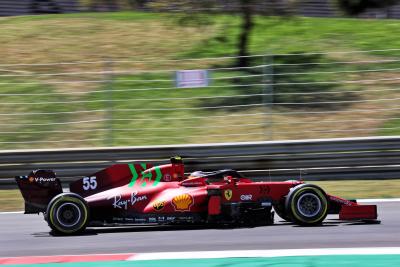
{"x": 67, "y": 214}
{"x": 280, "y": 210}
{"x": 307, "y": 204}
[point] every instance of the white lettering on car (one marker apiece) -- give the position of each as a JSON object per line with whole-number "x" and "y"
{"x": 135, "y": 198}
{"x": 120, "y": 203}
{"x": 89, "y": 183}
{"x": 42, "y": 179}
{"x": 246, "y": 197}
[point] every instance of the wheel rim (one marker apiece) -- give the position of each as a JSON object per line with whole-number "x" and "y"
{"x": 309, "y": 205}
{"x": 68, "y": 214}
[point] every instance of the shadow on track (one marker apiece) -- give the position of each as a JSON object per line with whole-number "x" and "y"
{"x": 151, "y": 228}
{"x": 147, "y": 228}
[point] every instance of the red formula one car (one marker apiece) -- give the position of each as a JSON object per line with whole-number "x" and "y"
{"x": 143, "y": 194}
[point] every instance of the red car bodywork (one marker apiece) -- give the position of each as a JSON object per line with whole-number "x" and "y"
{"x": 140, "y": 193}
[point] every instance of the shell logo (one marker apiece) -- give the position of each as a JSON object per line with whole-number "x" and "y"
{"x": 31, "y": 179}
{"x": 183, "y": 202}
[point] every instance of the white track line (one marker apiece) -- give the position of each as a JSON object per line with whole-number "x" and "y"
{"x": 378, "y": 200}
{"x": 265, "y": 253}
{"x": 236, "y": 254}
{"x": 11, "y": 212}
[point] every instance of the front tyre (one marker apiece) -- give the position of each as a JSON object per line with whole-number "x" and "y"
{"x": 307, "y": 204}
{"x": 67, "y": 214}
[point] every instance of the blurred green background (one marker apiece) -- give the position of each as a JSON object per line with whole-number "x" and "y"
{"x": 118, "y": 98}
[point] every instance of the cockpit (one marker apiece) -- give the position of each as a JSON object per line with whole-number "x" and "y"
{"x": 175, "y": 171}
{"x": 216, "y": 175}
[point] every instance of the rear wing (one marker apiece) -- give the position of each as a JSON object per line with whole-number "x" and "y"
{"x": 37, "y": 189}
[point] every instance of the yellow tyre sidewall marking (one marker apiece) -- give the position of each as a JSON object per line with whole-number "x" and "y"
{"x": 66, "y": 198}
{"x": 319, "y": 193}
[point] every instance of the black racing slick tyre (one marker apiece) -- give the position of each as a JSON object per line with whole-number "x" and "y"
{"x": 279, "y": 208}
{"x": 67, "y": 214}
{"x": 307, "y": 204}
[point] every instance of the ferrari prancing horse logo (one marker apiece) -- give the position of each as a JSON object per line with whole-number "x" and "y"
{"x": 228, "y": 194}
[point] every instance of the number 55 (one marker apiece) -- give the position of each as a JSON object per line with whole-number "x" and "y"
{"x": 89, "y": 183}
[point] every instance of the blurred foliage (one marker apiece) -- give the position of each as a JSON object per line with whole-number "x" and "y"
{"x": 355, "y": 7}
{"x": 114, "y": 4}
{"x": 188, "y": 6}
{"x": 193, "y": 12}
{"x": 189, "y": 12}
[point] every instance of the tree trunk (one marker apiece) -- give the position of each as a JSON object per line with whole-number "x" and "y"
{"x": 247, "y": 25}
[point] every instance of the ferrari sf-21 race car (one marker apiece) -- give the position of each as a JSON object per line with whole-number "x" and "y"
{"x": 126, "y": 194}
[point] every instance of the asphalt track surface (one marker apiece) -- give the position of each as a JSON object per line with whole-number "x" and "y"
{"x": 28, "y": 235}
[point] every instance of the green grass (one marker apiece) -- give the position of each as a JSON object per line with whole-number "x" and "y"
{"x": 354, "y": 189}
{"x": 391, "y": 127}
{"x": 299, "y": 34}
{"x": 11, "y": 200}
{"x": 139, "y": 36}
{"x": 113, "y": 32}
{"x": 217, "y": 38}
